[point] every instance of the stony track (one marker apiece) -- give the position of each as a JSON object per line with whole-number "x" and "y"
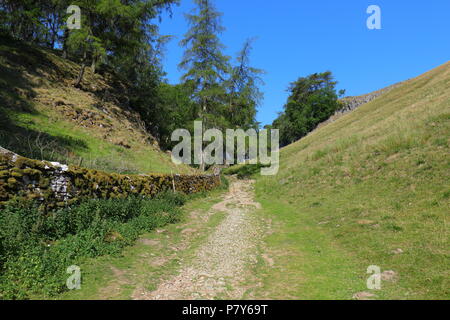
{"x": 221, "y": 264}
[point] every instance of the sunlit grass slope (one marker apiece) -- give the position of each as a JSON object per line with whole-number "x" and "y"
{"x": 354, "y": 192}
{"x": 43, "y": 116}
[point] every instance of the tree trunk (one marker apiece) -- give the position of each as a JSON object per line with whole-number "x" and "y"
{"x": 66, "y": 35}
{"x": 94, "y": 64}
{"x": 81, "y": 73}
{"x": 204, "y": 126}
{"x": 54, "y": 34}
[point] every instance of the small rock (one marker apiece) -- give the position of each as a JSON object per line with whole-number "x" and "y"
{"x": 397, "y": 251}
{"x": 365, "y": 222}
{"x": 363, "y": 296}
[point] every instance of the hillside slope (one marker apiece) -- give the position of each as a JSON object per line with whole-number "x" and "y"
{"x": 43, "y": 116}
{"x": 371, "y": 188}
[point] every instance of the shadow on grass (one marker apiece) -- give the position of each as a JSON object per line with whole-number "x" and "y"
{"x": 16, "y": 96}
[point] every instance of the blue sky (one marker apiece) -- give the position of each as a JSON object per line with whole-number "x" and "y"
{"x": 298, "y": 37}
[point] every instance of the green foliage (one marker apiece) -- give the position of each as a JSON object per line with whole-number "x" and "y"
{"x": 226, "y": 95}
{"x": 205, "y": 64}
{"x": 121, "y": 38}
{"x": 313, "y": 99}
{"x": 172, "y": 109}
{"x": 244, "y": 94}
{"x": 224, "y": 183}
{"x": 37, "y": 21}
{"x": 36, "y": 249}
{"x": 118, "y": 36}
{"x": 244, "y": 171}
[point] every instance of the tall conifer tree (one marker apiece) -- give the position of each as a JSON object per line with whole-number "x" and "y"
{"x": 243, "y": 91}
{"x": 207, "y": 68}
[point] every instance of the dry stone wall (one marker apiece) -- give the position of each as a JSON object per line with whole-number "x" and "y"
{"x": 53, "y": 184}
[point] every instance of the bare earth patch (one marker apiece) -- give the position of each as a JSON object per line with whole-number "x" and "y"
{"x": 364, "y": 296}
{"x": 149, "y": 242}
{"x": 114, "y": 287}
{"x": 221, "y": 263}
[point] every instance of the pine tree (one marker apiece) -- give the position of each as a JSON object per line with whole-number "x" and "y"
{"x": 85, "y": 41}
{"x": 207, "y": 67}
{"x": 244, "y": 93}
{"x": 120, "y": 34}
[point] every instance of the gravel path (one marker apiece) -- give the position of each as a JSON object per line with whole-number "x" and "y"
{"x": 221, "y": 263}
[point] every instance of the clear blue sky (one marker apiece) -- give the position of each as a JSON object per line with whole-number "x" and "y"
{"x": 300, "y": 37}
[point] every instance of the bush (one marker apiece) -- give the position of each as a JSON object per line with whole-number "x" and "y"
{"x": 312, "y": 100}
{"x": 37, "y": 248}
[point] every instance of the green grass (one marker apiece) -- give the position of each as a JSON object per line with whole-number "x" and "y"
{"x": 100, "y": 237}
{"x": 76, "y": 146}
{"x": 308, "y": 263}
{"x": 355, "y": 190}
{"x": 243, "y": 171}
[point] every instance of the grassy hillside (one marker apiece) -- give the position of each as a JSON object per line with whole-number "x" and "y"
{"x": 371, "y": 188}
{"x": 43, "y": 116}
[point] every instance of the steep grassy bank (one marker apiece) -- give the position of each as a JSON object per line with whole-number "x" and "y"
{"x": 43, "y": 116}
{"x": 371, "y": 188}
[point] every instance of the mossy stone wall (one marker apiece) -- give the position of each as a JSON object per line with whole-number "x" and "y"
{"x": 54, "y": 185}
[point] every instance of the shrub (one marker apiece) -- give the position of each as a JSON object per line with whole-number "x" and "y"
{"x": 37, "y": 248}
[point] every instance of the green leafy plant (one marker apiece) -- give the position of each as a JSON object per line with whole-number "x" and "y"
{"x": 37, "y": 248}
